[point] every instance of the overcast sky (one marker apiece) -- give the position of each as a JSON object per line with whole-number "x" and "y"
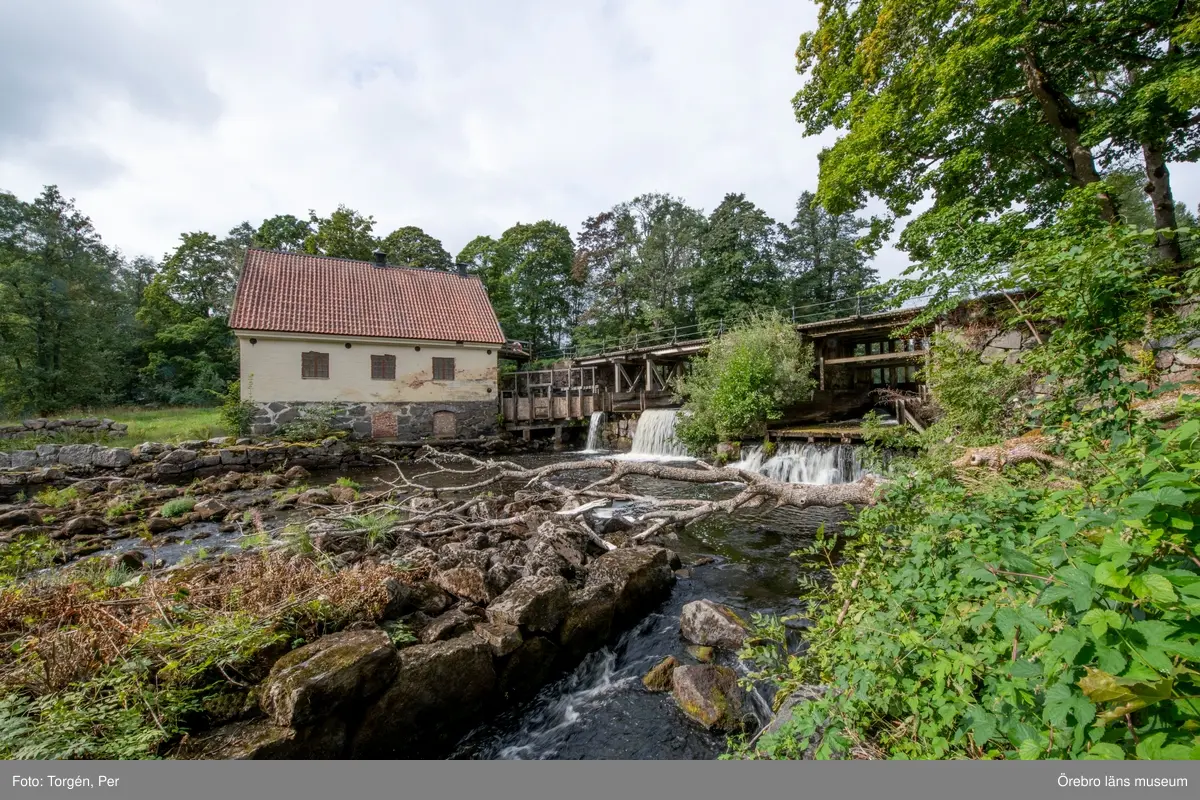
{"x": 460, "y": 116}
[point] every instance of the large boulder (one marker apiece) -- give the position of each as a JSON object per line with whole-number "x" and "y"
{"x": 589, "y": 620}
{"x": 259, "y": 740}
{"x": 709, "y": 694}
{"x": 569, "y": 544}
{"x": 448, "y": 625}
{"x": 528, "y": 669}
{"x": 537, "y": 604}
{"x": 707, "y": 623}
{"x": 210, "y": 507}
{"x": 333, "y": 673}
{"x": 85, "y": 526}
{"x": 440, "y": 692}
{"x": 178, "y": 457}
{"x": 19, "y": 518}
{"x": 501, "y": 637}
{"x": 112, "y": 457}
{"x": 466, "y": 581}
{"x": 640, "y": 577}
{"x": 23, "y": 459}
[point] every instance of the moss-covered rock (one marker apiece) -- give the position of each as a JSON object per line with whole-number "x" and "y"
{"x": 658, "y": 679}
{"x": 710, "y": 695}
{"x": 333, "y": 673}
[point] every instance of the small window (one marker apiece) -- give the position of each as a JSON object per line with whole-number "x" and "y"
{"x": 383, "y": 368}
{"x": 314, "y": 365}
{"x": 443, "y": 369}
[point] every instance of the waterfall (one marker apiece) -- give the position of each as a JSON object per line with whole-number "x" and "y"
{"x": 655, "y": 435}
{"x": 805, "y": 463}
{"x": 595, "y": 431}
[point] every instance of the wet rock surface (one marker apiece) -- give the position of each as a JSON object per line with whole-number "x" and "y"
{"x": 704, "y": 622}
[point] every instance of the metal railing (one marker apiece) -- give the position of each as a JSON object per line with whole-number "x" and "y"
{"x": 846, "y": 307}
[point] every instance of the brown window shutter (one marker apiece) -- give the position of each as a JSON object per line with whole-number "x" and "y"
{"x": 314, "y": 365}
{"x": 383, "y": 368}
{"x": 443, "y": 369}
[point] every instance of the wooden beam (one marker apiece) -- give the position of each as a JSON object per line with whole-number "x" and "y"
{"x": 878, "y": 358}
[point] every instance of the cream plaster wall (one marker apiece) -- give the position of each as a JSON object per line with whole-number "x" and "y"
{"x": 270, "y": 370}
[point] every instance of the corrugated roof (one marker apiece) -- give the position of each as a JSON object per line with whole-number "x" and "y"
{"x": 300, "y": 293}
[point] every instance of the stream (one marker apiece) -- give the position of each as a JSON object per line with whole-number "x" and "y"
{"x": 601, "y": 709}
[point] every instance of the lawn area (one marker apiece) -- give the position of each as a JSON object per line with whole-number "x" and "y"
{"x": 145, "y": 425}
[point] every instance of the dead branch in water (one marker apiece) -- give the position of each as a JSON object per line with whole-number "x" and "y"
{"x": 425, "y": 510}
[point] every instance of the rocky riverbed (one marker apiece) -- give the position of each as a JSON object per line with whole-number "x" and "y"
{"x": 405, "y": 635}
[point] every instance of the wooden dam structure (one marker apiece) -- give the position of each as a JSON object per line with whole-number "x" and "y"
{"x": 856, "y": 354}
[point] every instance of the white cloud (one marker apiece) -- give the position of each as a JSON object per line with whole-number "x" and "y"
{"x": 462, "y": 117}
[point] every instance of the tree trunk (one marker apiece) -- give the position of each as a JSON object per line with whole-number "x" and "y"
{"x": 1158, "y": 187}
{"x": 1062, "y": 116}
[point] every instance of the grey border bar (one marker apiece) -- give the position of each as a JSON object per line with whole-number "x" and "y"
{"x": 600, "y": 780}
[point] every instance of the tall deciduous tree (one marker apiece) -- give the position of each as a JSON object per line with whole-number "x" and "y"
{"x": 536, "y": 261}
{"x": 343, "y": 234}
{"x": 739, "y": 270}
{"x": 283, "y": 232}
{"x": 821, "y": 254}
{"x": 412, "y": 247}
{"x": 58, "y": 306}
{"x": 484, "y": 259}
{"x": 986, "y": 105}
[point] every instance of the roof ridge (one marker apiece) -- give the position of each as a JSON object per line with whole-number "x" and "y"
{"x": 372, "y": 264}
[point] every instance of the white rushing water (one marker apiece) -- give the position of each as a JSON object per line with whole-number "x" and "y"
{"x": 595, "y": 431}
{"x": 805, "y": 463}
{"x": 654, "y": 439}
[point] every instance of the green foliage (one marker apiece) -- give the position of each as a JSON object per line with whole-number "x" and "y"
{"x": 57, "y": 498}
{"x": 746, "y": 379}
{"x": 237, "y": 414}
{"x": 104, "y": 718}
{"x": 976, "y": 398}
{"x": 27, "y": 554}
{"x": 348, "y": 483}
{"x": 412, "y": 247}
{"x": 177, "y": 507}
{"x": 1026, "y": 621}
{"x": 313, "y": 422}
{"x": 343, "y": 234}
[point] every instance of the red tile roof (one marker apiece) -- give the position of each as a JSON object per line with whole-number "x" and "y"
{"x": 299, "y": 293}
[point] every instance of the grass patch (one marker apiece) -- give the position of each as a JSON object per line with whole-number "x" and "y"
{"x": 167, "y": 424}
{"x": 177, "y": 507}
{"x": 377, "y": 528}
{"x": 57, "y": 498}
{"x": 348, "y": 483}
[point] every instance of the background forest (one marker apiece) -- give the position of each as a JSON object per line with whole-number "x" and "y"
{"x": 82, "y": 325}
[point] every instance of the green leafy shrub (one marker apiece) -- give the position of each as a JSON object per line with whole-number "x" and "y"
{"x": 976, "y": 399}
{"x": 237, "y": 414}
{"x": 745, "y": 380}
{"x": 177, "y": 507}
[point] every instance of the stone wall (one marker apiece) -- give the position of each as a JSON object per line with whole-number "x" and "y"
{"x": 404, "y": 421}
{"x": 41, "y": 427}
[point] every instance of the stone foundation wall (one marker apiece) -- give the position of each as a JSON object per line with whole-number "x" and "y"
{"x": 403, "y": 421}
{"x": 41, "y": 427}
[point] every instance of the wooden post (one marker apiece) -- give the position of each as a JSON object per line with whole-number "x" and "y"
{"x": 821, "y": 367}
{"x": 649, "y": 375}
{"x": 616, "y": 378}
